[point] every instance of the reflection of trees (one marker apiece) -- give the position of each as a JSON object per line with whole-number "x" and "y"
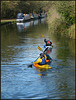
{"x": 66, "y": 46}
{"x": 11, "y": 39}
{"x": 9, "y": 9}
{"x": 8, "y": 35}
{"x": 67, "y": 49}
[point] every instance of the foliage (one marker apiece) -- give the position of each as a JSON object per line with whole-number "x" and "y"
{"x": 67, "y": 9}
{"x": 9, "y": 9}
{"x": 61, "y": 17}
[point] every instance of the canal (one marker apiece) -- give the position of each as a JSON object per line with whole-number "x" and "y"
{"x": 19, "y": 42}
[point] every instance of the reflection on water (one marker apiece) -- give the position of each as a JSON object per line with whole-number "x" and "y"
{"x": 21, "y": 26}
{"x": 19, "y": 44}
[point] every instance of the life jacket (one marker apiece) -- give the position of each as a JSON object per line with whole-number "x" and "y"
{"x": 43, "y": 61}
{"x": 48, "y": 57}
{"x": 48, "y": 42}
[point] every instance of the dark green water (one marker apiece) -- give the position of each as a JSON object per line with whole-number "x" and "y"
{"x": 19, "y": 44}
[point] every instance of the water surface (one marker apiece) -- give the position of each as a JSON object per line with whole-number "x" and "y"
{"x": 19, "y": 44}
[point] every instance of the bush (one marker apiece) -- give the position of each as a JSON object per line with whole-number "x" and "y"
{"x": 61, "y": 18}
{"x": 67, "y": 9}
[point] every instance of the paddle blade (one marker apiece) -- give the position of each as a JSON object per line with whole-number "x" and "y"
{"x": 39, "y": 48}
{"x": 30, "y": 66}
{"x": 42, "y": 35}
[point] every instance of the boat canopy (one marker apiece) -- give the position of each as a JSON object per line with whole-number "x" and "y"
{"x": 20, "y": 16}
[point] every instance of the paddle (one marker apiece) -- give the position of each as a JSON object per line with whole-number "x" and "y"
{"x": 39, "y": 56}
{"x": 40, "y": 48}
{"x": 44, "y": 37}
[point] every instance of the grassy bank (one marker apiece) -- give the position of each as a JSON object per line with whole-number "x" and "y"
{"x": 5, "y": 21}
{"x": 61, "y": 20}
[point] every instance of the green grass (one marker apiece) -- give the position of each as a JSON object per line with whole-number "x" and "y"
{"x": 9, "y": 20}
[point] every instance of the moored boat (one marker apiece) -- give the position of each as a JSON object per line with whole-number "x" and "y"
{"x": 20, "y": 17}
{"x": 32, "y": 16}
{"x": 26, "y": 17}
{"x": 42, "y": 15}
{"x": 35, "y": 16}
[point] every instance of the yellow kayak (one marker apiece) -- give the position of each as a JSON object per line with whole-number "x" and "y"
{"x": 46, "y": 66}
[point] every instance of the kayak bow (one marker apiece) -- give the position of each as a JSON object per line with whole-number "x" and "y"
{"x": 46, "y": 66}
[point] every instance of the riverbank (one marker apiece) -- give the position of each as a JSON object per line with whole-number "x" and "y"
{"x": 7, "y": 21}
{"x": 59, "y": 23}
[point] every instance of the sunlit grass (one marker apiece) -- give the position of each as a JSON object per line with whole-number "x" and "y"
{"x": 8, "y": 20}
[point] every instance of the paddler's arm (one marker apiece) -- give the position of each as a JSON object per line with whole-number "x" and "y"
{"x": 45, "y": 57}
{"x": 38, "y": 61}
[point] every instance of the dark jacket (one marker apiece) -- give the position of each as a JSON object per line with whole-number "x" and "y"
{"x": 48, "y": 42}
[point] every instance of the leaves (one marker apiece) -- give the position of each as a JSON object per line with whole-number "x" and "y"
{"x": 10, "y": 9}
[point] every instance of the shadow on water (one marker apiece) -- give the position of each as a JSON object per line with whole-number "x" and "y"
{"x": 19, "y": 44}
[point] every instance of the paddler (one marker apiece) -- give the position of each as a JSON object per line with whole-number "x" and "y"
{"x": 48, "y": 57}
{"x": 42, "y": 59}
{"x": 48, "y": 42}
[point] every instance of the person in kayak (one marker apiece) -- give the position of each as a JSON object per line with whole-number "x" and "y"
{"x": 42, "y": 59}
{"x": 48, "y": 42}
{"x": 48, "y": 57}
